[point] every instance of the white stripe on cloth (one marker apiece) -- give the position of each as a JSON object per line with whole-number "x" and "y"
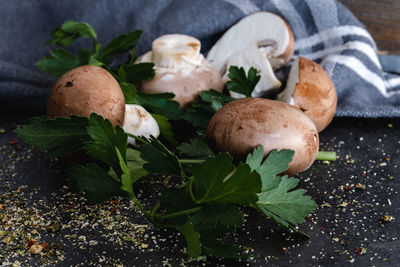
{"x": 392, "y": 83}
{"x": 246, "y": 6}
{"x": 359, "y": 68}
{"x": 293, "y": 17}
{"x": 332, "y": 33}
{"x": 354, "y": 45}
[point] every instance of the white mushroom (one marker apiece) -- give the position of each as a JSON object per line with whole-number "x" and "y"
{"x": 180, "y": 68}
{"x": 139, "y": 122}
{"x": 262, "y": 40}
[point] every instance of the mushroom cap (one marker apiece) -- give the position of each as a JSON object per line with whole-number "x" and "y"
{"x": 180, "y": 69}
{"x": 311, "y": 89}
{"x": 242, "y": 125}
{"x": 84, "y": 90}
{"x": 139, "y": 122}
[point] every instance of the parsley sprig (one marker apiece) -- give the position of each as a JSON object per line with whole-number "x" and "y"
{"x": 206, "y": 202}
{"x": 204, "y": 206}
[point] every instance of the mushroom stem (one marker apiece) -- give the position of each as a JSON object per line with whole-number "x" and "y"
{"x": 326, "y": 155}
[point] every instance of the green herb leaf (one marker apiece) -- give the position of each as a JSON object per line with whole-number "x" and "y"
{"x": 241, "y": 84}
{"x": 104, "y": 140}
{"x": 290, "y": 206}
{"x": 218, "y": 181}
{"x": 61, "y": 136}
{"x": 126, "y": 179}
{"x": 72, "y": 30}
{"x": 214, "y": 215}
{"x": 215, "y": 98}
{"x": 275, "y": 164}
{"x": 129, "y": 91}
{"x": 120, "y": 44}
{"x": 276, "y": 200}
{"x": 59, "y": 62}
{"x": 159, "y": 158}
{"x": 135, "y": 164}
{"x": 197, "y": 147}
{"x": 140, "y": 72}
{"x": 200, "y": 111}
{"x": 165, "y": 128}
{"x": 176, "y": 200}
{"x": 96, "y": 182}
{"x": 192, "y": 239}
{"x": 160, "y": 104}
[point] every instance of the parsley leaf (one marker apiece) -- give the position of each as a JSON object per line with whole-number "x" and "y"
{"x": 72, "y": 30}
{"x": 213, "y": 215}
{"x": 61, "y": 136}
{"x": 289, "y": 206}
{"x": 276, "y": 200}
{"x": 218, "y": 181}
{"x": 96, "y": 182}
{"x": 59, "y": 62}
{"x": 241, "y": 84}
{"x": 197, "y": 147}
{"x": 192, "y": 239}
{"x": 139, "y": 72}
{"x": 105, "y": 140}
{"x": 165, "y": 128}
{"x": 276, "y": 163}
{"x": 159, "y": 158}
{"x": 160, "y": 104}
{"x": 120, "y": 44}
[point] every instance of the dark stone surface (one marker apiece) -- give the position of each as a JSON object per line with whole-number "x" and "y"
{"x": 347, "y": 222}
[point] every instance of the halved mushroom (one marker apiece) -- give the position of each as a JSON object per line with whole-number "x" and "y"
{"x": 180, "y": 68}
{"x": 262, "y": 40}
{"x": 139, "y": 122}
{"x": 311, "y": 89}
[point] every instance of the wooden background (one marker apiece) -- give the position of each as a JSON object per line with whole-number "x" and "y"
{"x": 382, "y": 19}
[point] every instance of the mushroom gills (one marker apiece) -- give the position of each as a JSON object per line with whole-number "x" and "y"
{"x": 287, "y": 94}
{"x": 251, "y": 57}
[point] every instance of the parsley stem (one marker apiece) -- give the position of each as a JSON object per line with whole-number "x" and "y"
{"x": 139, "y": 205}
{"x": 176, "y": 214}
{"x": 154, "y": 210}
{"x": 191, "y": 161}
{"x": 326, "y": 156}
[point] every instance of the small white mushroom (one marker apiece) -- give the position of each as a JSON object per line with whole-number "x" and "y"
{"x": 262, "y": 40}
{"x": 180, "y": 68}
{"x": 139, "y": 122}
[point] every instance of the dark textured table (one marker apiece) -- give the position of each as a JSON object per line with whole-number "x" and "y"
{"x": 39, "y": 205}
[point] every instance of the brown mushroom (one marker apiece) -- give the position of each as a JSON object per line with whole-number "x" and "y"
{"x": 242, "y": 125}
{"x": 311, "y": 89}
{"x": 84, "y": 90}
{"x": 180, "y": 68}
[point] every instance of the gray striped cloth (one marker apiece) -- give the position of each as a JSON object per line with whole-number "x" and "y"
{"x": 324, "y": 31}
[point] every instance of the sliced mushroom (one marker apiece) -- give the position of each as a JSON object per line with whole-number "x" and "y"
{"x": 311, "y": 89}
{"x": 180, "y": 68}
{"x": 262, "y": 40}
{"x": 139, "y": 122}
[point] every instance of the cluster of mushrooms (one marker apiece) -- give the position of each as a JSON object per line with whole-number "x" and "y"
{"x": 262, "y": 40}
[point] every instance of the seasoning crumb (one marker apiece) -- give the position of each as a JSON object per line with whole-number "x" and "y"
{"x": 35, "y": 249}
{"x": 387, "y": 218}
